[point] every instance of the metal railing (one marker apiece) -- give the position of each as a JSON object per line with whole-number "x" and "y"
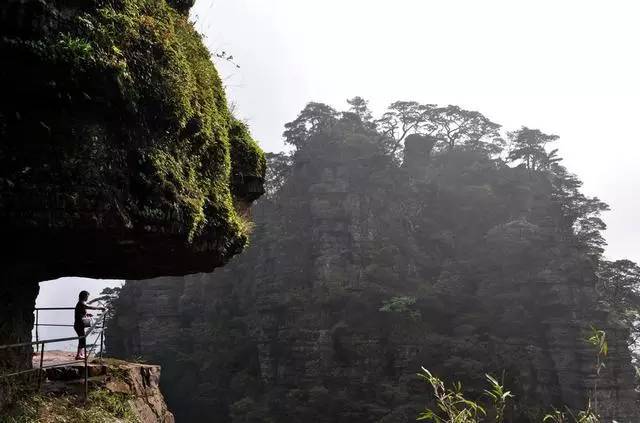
{"x": 97, "y": 328}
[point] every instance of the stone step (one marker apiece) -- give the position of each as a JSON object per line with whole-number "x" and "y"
{"x": 74, "y": 387}
{"x": 71, "y": 372}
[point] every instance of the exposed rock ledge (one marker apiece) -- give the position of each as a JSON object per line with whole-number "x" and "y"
{"x": 134, "y": 386}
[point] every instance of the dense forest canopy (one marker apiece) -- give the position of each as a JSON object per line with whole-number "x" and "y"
{"x": 453, "y": 128}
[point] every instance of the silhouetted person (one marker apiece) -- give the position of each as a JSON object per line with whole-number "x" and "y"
{"x": 78, "y": 324}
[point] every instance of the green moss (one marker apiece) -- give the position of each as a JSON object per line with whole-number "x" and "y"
{"x": 103, "y": 406}
{"x": 248, "y": 159}
{"x": 165, "y": 72}
{"x": 150, "y": 141}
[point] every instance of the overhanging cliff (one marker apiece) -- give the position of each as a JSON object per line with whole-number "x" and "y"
{"x": 118, "y": 155}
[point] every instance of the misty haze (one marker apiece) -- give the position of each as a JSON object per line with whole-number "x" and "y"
{"x": 247, "y": 211}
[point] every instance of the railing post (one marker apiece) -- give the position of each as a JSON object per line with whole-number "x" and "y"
{"x": 102, "y": 335}
{"x": 37, "y": 345}
{"x": 86, "y": 371}
{"x": 40, "y": 371}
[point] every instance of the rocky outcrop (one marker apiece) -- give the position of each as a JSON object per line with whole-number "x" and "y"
{"x": 119, "y": 157}
{"x": 139, "y": 383}
{"x": 118, "y": 154}
{"x": 361, "y": 272}
{"x": 118, "y": 391}
{"x": 17, "y": 302}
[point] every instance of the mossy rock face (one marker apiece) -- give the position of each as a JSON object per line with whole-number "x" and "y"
{"x": 118, "y": 154}
{"x": 248, "y": 164}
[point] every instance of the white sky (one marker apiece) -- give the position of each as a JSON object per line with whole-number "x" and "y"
{"x": 63, "y": 292}
{"x": 567, "y": 67}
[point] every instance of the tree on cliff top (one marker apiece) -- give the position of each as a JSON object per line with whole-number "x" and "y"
{"x": 528, "y": 147}
{"x": 360, "y": 107}
{"x": 457, "y": 126}
{"x": 313, "y": 118}
{"x": 403, "y": 118}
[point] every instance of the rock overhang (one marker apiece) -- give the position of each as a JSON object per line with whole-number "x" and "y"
{"x": 118, "y": 155}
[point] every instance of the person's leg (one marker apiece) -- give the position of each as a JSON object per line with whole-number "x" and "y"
{"x": 81, "y": 342}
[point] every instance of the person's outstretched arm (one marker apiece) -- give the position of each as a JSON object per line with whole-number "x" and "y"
{"x": 94, "y": 308}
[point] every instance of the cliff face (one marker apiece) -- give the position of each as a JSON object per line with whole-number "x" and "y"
{"x": 118, "y": 155}
{"x": 362, "y": 271}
